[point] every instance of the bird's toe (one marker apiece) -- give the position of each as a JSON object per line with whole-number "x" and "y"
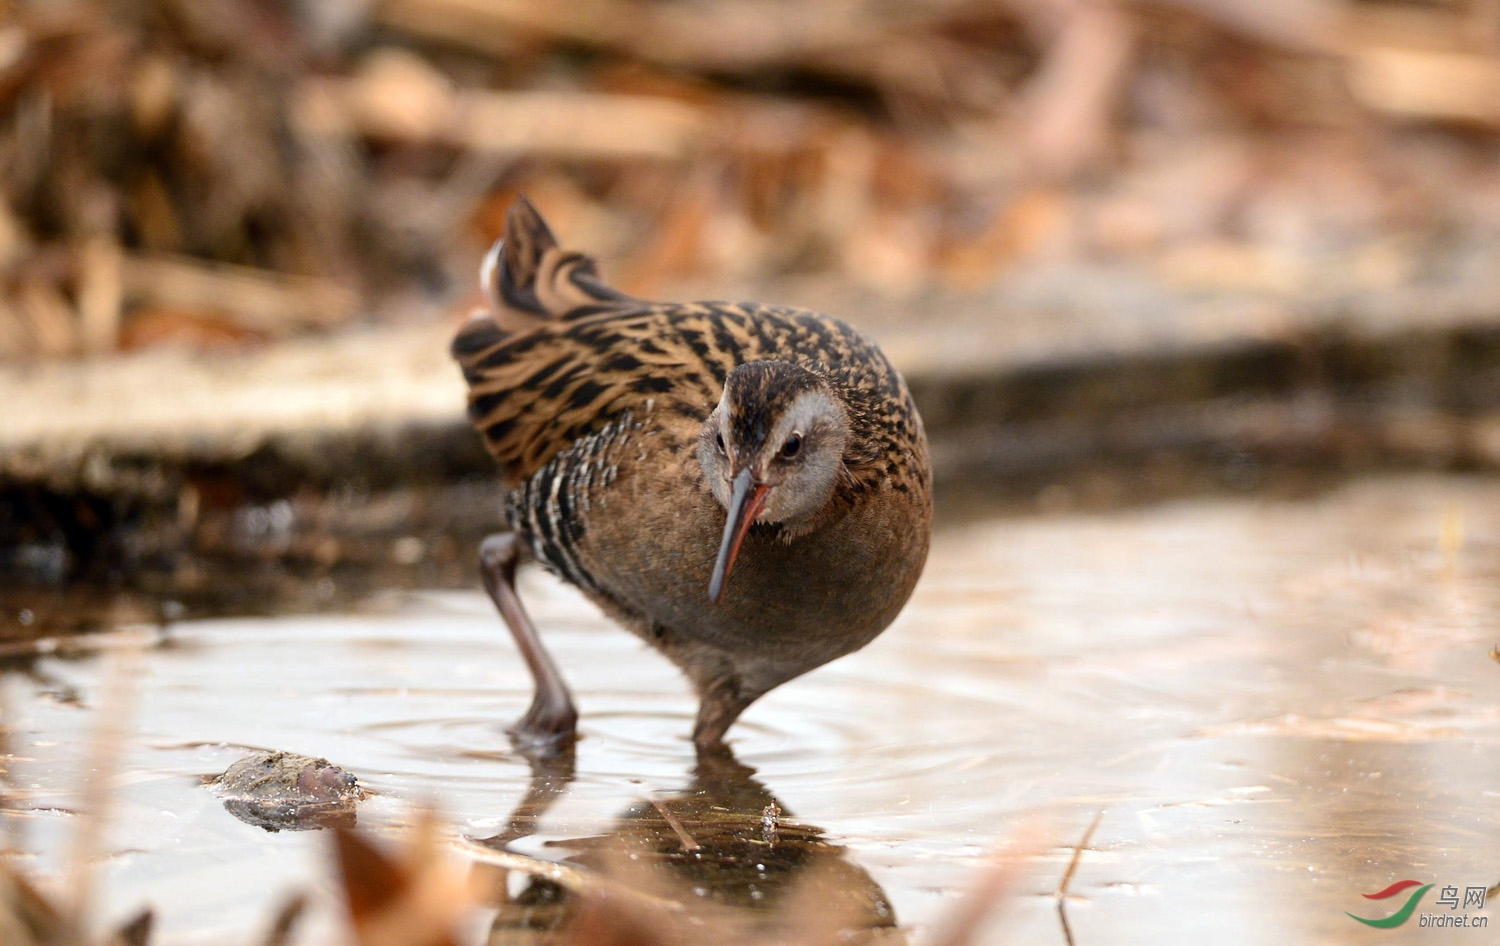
{"x": 548, "y": 728}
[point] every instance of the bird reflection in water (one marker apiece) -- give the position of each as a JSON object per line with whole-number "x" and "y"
{"x": 722, "y": 856}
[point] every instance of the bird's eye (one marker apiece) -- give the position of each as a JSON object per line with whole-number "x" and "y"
{"x": 792, "y": 446}
{"x": 719, "y": 442}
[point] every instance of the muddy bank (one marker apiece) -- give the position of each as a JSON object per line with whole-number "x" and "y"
{"x": 308, "y": 474}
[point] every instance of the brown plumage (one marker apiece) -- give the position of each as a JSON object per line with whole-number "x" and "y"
{"x": 625, "y": 429}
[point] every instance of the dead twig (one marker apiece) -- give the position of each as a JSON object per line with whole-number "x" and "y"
{"x": 1434, "y": 85}
{"x": 259, "y": 299}
{"x": 1066, "y": 114}
{"x": 101, "y": 294}
{"x": 285, "y": 922}
{"x": 398, "y": 97}
{"x": 103, "y": 765}
{"x": 1067, "y": 878}
{"x": 575, "y": 879}
{"x": 688, "y": 844}
{"x": 993, "y": 886}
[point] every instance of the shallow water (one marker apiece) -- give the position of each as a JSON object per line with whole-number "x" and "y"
{"x": 1276, "y": 706}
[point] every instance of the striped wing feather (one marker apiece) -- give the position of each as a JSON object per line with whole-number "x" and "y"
{"x": 560, "y": 355}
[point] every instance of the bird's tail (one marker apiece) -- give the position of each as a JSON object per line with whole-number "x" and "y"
{"x": 528, "y": 279}
{"x": 527, "y": 272}
{"x": 509, "y": 348}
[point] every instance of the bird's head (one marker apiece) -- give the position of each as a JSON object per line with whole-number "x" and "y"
{"x": 771, "y": 452}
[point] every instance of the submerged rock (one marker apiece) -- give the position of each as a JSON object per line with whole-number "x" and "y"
{"x": 285, "y": 791}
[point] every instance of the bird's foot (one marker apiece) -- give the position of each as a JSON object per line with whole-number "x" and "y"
{"x": 549, "y": 728}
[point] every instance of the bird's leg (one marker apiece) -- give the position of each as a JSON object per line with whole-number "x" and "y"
{"x": 720, "y": 704}
{"x": 551, "y": 722}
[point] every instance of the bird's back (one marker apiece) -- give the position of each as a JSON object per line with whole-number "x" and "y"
{"x": 560, "y": 355}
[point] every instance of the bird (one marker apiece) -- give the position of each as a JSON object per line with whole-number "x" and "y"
{"x": 745, "y": 487}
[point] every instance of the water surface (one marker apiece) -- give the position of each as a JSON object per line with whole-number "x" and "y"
{"x": 1277, "y": 706}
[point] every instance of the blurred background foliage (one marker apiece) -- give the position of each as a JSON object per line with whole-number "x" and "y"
{"x": 222, "y": 172}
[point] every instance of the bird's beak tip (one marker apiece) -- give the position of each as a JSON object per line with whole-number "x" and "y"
{"x": 747, "y": 499}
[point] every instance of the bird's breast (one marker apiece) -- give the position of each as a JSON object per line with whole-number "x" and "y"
{"x": 809, "y": 599}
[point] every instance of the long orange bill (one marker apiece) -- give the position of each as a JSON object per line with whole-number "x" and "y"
{"x": 746, "y": 499}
